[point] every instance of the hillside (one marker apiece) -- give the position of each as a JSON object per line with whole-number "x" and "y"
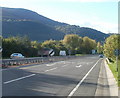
{"x": 83, "y": 31}
{"x": 36, "y": 31}
{"x": 17, "y": 21}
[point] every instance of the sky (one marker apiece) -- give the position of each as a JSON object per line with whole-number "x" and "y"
{"x": 97, "y": 14}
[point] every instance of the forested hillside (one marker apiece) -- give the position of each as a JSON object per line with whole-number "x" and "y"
{"x": 17, "y": 21}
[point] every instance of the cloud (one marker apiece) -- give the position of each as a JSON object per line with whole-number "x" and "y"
{"x": 90, "y": 0}
{"x": 105, "y": 27}
{"x": 95, "y": 23}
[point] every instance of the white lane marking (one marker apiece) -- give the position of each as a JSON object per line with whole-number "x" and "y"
{"x": 55, "y": 63}
{"x": 3, "y": 69}
{"x": 51, "y": 69}
{"x": 50, "y": 64}
{"x": 64, "y": 65}
{"x": 19, "y": 78}
{"x": 78, "y": 66}
{"x": 74, "y": 90}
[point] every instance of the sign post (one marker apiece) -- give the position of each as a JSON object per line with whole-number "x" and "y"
{"x": 93, "y": 51}
{"x": 117, "y": 53}
{"x": 69, "y": 52}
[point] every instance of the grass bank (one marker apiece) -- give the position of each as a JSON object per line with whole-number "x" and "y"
{"x": 80, "y": 54}
{"x": 116, "y": 73}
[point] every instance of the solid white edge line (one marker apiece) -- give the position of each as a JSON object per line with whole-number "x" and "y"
{"x": 74, "y": 90}
{"x": 19, "y": 79}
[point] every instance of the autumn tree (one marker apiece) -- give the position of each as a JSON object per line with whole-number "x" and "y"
{"x": 99, "y": 48}
{"x": 72, "y": 42}
{"x": 88, "y": 45}
{"x": 17, "y": 45}
{"x": 110, "y": 45}
{"x": 54, "y": 44}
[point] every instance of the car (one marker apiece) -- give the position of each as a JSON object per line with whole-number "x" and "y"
{"x": 62, "y": 53}
{"x": 16, "y": 56}
{"x": 101, "y": 56}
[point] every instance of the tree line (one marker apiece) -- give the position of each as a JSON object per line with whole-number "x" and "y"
{"x": 72, "y": 44}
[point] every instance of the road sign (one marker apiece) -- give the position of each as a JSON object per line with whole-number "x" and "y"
{"x": 93, "y": 51}
{"x": 117, "y": 52}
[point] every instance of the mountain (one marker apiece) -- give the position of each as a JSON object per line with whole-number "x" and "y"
{"x": 83, "y": 31}
{"x": 17, "y": 21}
{"x": 34, "y": 30}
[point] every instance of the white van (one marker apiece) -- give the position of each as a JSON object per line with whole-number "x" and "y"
{"x": 62, "y": 53}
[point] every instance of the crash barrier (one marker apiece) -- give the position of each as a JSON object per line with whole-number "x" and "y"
{"x": 16, "y": 62}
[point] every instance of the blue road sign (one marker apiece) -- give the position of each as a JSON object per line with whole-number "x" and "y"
{"x": 117, "y": 52}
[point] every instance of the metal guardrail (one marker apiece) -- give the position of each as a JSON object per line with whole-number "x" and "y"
{"x": 17, "y": 62}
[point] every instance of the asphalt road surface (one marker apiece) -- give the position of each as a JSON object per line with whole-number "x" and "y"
{"x": 76, "y": 77}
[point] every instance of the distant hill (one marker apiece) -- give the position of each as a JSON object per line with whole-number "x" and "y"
{"x": 83, "y": 31}
{"x": 34, "y": 30}
{"x": 17, "y": 21}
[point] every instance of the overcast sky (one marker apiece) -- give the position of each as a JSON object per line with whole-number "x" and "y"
{"x": 98, "y": 14}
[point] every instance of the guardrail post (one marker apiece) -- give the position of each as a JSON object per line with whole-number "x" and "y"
{"x": 10, "y": 62}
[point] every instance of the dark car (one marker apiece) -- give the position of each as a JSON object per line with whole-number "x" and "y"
{"x": 101, "y": 56}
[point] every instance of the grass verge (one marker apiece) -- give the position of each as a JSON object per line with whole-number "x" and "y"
{"x": 119, "y": 73}
{"x": 79, "y": 54}
{"x": 116, "y": 73}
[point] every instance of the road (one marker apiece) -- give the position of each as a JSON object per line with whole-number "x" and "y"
{"x": 76, "y": 77}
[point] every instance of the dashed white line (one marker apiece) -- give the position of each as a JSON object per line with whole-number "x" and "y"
{"x": 55, "y": 63}
{"x": 50, "y": 64}
{"x": 19, "y": 78}
{"x": 74, "y": 90}
{"x": 78, "y": 66}
{"x": 51, "y": 69}
{"x": 64, "y": 65}
{"x": 2, "y": 70}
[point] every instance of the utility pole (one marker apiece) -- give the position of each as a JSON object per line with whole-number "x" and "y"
{"x": 117, "y": 63}
{"x": 117, "y": 53}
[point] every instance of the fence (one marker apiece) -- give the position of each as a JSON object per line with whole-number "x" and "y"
{"x": 11, "y": 62}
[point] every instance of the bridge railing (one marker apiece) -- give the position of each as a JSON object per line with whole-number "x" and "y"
{"x": 34, "y": 60}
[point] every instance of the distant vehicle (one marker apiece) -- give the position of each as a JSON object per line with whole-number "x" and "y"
{"x": 16, "y": 56}
{"x": 101, "y": 55}
{"x": 62, "y": 53}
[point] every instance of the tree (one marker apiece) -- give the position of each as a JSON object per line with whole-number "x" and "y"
{"x": 88, "y": 45}
{"x": 36, "y": 45}
{"x": 72, "y": 42}
{"x": 18, "y": 45}
{"x": 110, "y": 45}
{"x": 99, "y": 48}
{"x": 49, "y": 44}
{"x": 53, "y": 44}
